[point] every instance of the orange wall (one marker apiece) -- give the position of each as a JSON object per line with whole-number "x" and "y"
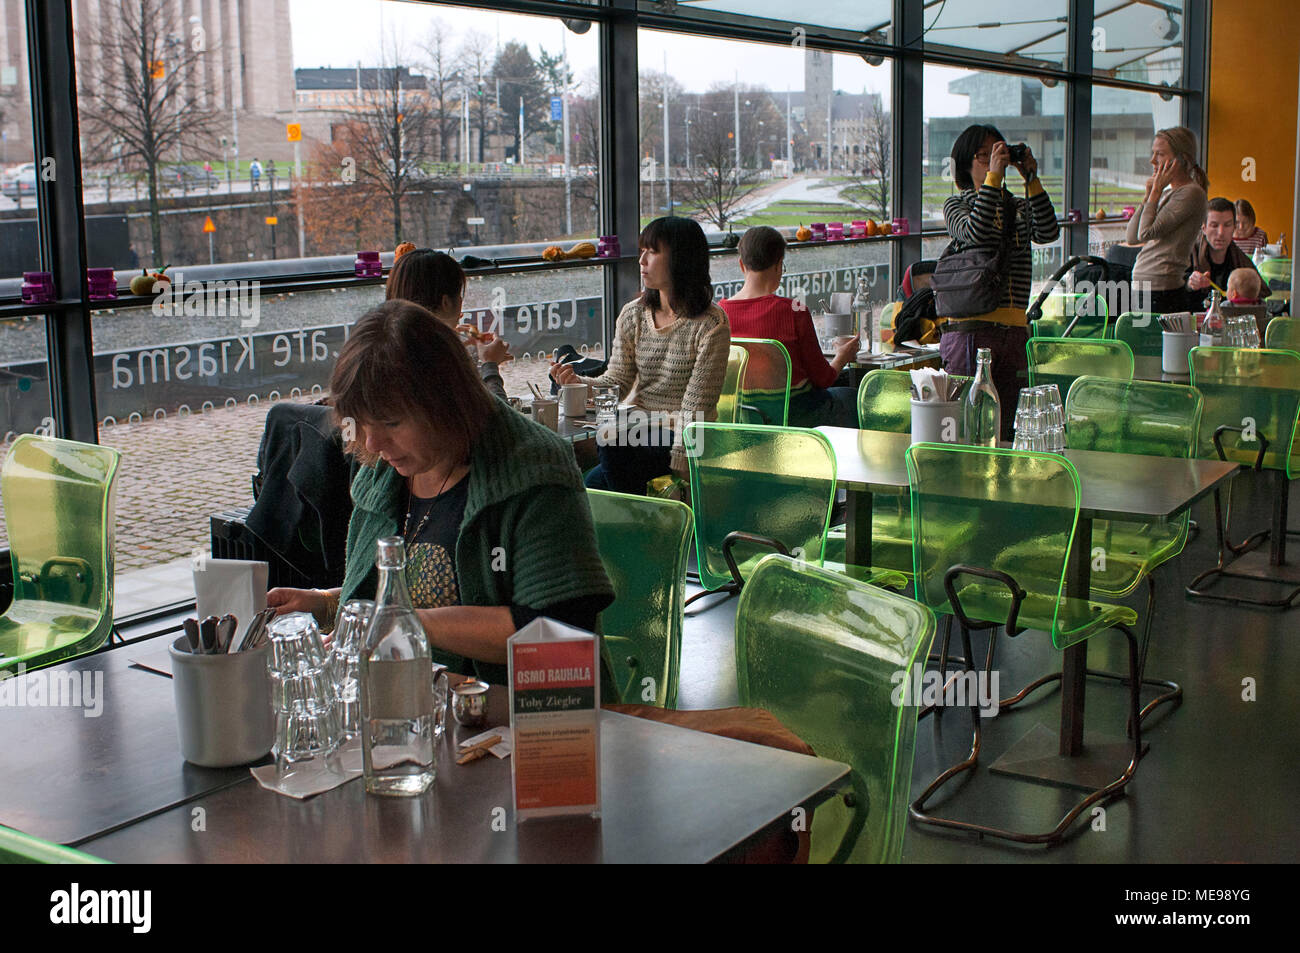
{"x": 1254, "y": 73}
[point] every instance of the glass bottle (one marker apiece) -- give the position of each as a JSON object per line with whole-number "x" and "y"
{"x": 396, "y": 675}
{"x": 862, "y": 322}
{"x": 983, "y": 415}
{"x": 1212, "y": 328}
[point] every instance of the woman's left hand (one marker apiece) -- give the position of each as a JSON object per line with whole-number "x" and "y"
{"x": 493, "y": 348}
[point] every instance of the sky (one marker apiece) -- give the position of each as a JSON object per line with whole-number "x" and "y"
{"x": 695, "y": 62}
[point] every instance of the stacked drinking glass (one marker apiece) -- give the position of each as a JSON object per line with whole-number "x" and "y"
{"x": 302, "y": 690}
{"x": 349, "y": 640}
{"x": 1240, "y": 330}
{"x": 1040, "y": 420}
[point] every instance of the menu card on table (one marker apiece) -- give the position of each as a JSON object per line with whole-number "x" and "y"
{"x": 554, "y": 720}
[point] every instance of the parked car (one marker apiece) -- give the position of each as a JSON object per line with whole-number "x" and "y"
{"x": 19, "y": 180}
{"x": 190, "y": 177}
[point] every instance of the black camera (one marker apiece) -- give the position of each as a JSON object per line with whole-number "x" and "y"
{"x": 1018, "y": 152}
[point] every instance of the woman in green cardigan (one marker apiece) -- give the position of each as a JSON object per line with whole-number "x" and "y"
{"x": 491, "y": 505}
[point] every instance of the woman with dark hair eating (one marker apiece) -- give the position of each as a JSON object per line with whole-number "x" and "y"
{"x": 490, "y": 504}
{"x": 671, "y": 345}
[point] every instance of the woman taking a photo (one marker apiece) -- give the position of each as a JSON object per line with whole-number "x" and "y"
{"x": 490, "y": 504}
{"x": 670, "y": 344}
{"x": 435, "y": 281}
{"x": 1167, "y": 222}
{"x": 975, "y": 218}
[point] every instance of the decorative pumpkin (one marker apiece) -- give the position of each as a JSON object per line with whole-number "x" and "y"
{"x": 553, "y": 253}
{"x": 402, "y": 249}
{"x": 803, "y": 234}
{"x": 886, "y": 228}
{"x": 581, "y": 250}
{"x": 148, "y": 282}
{"x": 873, "y": 228}
{"x": 1101, "y": 214}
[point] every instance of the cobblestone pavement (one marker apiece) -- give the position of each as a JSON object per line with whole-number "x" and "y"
{"x": 177, "y": 471}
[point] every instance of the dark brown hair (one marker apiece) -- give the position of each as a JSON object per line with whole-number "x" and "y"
{"x": 425, "y": 276}
{"x": 1245, "y": 210}
{"x": 1221, "y": 205}
{"x": 400, "y": 361}
{"x": 688, "y": 263}
{"x": 761, "y": 247}
{"x": 964, "y": 149}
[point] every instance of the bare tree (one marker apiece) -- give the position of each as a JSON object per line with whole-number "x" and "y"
{"x": 444, "y": 82}
{"x": 391, "y": 130}
{"x": 476, "y": 63}
{"x": 870, "y": 189}
{"x": 147, "y": 99}
{"x": 715, "y": 185}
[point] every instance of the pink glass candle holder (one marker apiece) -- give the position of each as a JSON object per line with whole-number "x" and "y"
{"x": 38, "y": 287}
{"x": 368, "y": 265}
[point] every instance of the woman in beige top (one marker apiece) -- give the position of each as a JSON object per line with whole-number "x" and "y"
{"x": 1167, "y": 222}
{"x": 670, "y": 345}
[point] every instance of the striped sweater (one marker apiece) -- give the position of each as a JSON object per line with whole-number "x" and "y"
{"x": 974, "y": 219}
{"x": 679, "y": 367}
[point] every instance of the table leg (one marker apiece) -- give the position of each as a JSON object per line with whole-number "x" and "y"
{"x": 857, "y": 529}
{"x": 1074, "y": 671}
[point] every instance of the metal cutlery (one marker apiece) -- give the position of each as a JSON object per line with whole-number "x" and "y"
{"x": 192, "y": 634}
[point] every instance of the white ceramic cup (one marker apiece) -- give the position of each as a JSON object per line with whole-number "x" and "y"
{"x": 547, "y": 413}
{"x": 573, "y": 400}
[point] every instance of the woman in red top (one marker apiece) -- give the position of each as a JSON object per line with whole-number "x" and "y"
{"x": 759, "y": 312}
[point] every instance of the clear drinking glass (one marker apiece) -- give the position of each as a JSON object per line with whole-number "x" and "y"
{"x": 606, "y": 400}
{"x": 303, "y": 691}
{"x": 349, "y": 637}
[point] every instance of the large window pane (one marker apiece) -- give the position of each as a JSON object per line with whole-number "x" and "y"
{"x": 1022, "y": 108}
{"x": 741, "y": 152}
{"x": 814, "y": 270}
{"x": 1139, "y": 41}
{"x": 19, "y": 251}
{"x": 185, "y": 395}
{"x": 222, "y": 133}
{"x": 865, "y": 16}
{"x": 1123, "y": 123}
{"x": 1013, "y": 28}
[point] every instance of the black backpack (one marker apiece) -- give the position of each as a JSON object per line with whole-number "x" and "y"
{"x": 915, "y": 319}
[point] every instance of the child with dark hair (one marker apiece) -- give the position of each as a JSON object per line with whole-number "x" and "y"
{"x": 670, "y": 353}
{"x": 757, "y": 311}
{"x": 436, "y": 281}
{"x": 1248, "y": 236}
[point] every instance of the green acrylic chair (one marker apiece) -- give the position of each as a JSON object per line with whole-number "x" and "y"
{"x": 1060, "y": 361}
{"x": 1087, "y": 312}
{"x": 19, "y": 848}
{"x": 765, "y": 385}
{"x": 1138, "y": 417}
{"x": 1014, "y": 514}
{"x": 58, "y": 504}
{"x": 758, "y": 489}
{"x": 729, "y": 399}
{"x": 1252, "y": 406}
{"x": 885, "y": 403}
{"x": 1283, "y": 334}
{"x": 644, "y": 544}
{"x": 1141, "y": 332}
{"x": 1277, "y": 272}
{"x": 822, "y": 653}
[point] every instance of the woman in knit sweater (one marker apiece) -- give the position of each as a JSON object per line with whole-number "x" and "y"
{"x": 669, "y": 355}
{"x": 1167, "y": 222}
{"x": 490, "y": 504}
{"x": 974, "y": 217}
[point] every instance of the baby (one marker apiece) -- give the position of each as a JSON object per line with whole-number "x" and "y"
{"x": 1243, "y": 286}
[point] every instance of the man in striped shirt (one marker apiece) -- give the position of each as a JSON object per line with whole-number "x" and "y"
{"x": 974, "y": 218}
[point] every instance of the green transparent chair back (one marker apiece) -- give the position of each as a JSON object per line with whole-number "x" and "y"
{"x": 766, "y": 382}
{"x": 1009, "y": 510}
{"x": 1141, "y": 332}
{"x": 59, "y": 507}
{"x": 1277, "y": 272}
{"x": 19, "y": 848}
{"x": 885, "y": 400}
{"x": 1254, "y": 390}
{"x": 1060, "y": 360}
{"x": 1140, "y": 417}
{"x": 777, "y": 482}
{"x": 1060, "y": 309}
{"x": 1283, "y": 334}
{"x": 729, "y": 399}
{"x": 823, "y": 653}
{"x": 644, "y": 544}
